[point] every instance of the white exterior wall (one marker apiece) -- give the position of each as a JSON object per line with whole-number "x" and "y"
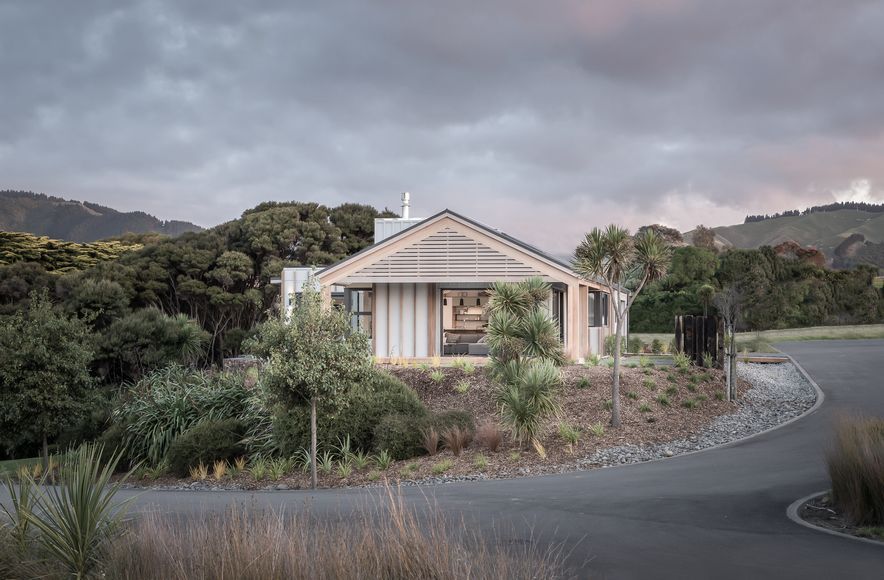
{"x": 386, "y": 227}
{"x": 402, "y": 313}
{"x": 292, "y": 282}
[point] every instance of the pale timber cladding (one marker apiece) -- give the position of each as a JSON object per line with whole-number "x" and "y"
{"x": 407, "y": 271}
{"x": 446, "y": 254}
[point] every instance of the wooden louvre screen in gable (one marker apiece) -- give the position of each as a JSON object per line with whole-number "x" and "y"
{"x": 446, "y": 254}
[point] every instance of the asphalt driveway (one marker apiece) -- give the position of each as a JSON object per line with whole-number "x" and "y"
{"x": 715, "y": 514}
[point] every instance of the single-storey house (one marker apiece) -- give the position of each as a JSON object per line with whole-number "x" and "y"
{"x": 421, "y": 289}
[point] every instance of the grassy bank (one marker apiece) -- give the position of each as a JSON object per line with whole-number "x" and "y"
{"x": 11, "y": 466}
{"x": 762, "y": 341}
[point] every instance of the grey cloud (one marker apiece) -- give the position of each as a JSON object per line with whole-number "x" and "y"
{"x": 542, "y": 118}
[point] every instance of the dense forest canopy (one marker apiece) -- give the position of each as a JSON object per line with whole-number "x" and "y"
{"x": 219, "y": 278}
{"x": 779, "y": 291}
{"x": 837, "y": 206}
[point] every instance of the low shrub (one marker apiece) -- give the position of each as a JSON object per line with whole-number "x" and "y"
{"x": 357, "y": 419}
{"x": 480, "y": 462}
{"x": 462, "y": 387}
{"x": 656, "y": 346}
{"x": 672, "y": 391}
{"x": 569, "y": 433}
{"x": 206, "y": 443}
{"x": 681, "y": 360}
{"x": 663, "y": 400}
{"x": 489, "y": 435}
{"x": 631, "y": 395}
{"x": 855, "y": 460}
{"x": 399, "y": 435}
{"x": 442, "y": 466}
{"x": 690, "y": 403}
{"x": 437, "y": 376}
{"x": 445, "y": 420}
{"x": 649, "y": 384}
{"x": 719, "y": 395}
{"x": 583, "y": 383}
{"x": 644, "y": 408}
{"x": 597, "y": 429}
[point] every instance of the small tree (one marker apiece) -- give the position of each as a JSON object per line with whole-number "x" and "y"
{"x": 705, "y": 293}
{"x": 729, "y": 303}
{"x": 44, "y": 371}
{"x": 618, "y": 261}
{"x": 313, "y": 356}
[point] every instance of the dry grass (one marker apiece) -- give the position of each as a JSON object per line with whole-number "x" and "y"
{"x": 456, "y": 438}
{"x": 430, "y": 440}
{"x": 489, "y": 435}
{"x": 390, "y": 541}
{"x": 856, "y": 468}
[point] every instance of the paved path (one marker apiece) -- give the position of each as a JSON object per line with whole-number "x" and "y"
{"x": 716, "y": 514}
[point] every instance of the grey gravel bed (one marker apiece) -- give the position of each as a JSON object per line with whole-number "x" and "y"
{"x": 779, "y": 393}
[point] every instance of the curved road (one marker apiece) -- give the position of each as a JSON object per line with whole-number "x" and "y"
{"x": 720, "y": 513}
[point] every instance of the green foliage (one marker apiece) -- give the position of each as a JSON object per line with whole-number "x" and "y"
{"x": 437, "y": 376}
{"x": 656, "y": 346}
{"x": 146, "y": 340}
{"x": 399, "y": 435}
{"x": 634, "y": 344}
{"x": 644, "y": 408}
{"x": 442, "y": 466}
{"x": 367, "y": 404}
{"x": 446, "y": 420}
{"x": 597, "y": 429}
{"x": 44, "y": 373}
{"x": 780, "y": 291}
{"x": 77, "y": 519}
{"x": 528, "y": 401}
{"x": 464, "y": 364}
{"x": 681, "y": 360}
{"x": 583, "y": 383}
{"x": 663, "y": 400}
{"x": 57, "y": 255}
{"x": 206, "y": 442}
{"x": 569, "y": 433}
{"x": 168, "y": 402}
{"x": 518, "y": 326}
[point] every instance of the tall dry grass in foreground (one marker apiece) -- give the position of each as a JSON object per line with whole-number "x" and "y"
{"x": 856, "y": 468}
{"x": 391, "y": 541}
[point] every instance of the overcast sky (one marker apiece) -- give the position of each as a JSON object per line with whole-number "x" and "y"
{"x": 541, "y": 118}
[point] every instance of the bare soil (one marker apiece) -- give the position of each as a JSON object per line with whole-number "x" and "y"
{"x": 585, "y": 397}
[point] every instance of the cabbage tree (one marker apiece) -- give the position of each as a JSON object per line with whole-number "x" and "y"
{"x": 624, "y": 265}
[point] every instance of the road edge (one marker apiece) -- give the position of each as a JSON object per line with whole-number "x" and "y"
{"x": 792, "y": 513}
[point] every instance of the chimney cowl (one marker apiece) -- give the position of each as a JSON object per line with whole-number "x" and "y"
{"x": 406, "y": 202}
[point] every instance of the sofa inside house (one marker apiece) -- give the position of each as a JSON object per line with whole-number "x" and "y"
{"x": 465, "y": 343}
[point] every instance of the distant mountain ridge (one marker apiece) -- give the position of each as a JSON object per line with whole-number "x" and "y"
{"x": 76, "y": 221}
{"x": 847, "y": 237}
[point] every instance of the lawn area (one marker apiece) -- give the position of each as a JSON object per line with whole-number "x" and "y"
{"x": 762, "y": 341}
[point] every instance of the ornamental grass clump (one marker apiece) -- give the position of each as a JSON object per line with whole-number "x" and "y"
{"x": 855, "y": 460}
{"x": 389, "y": 539}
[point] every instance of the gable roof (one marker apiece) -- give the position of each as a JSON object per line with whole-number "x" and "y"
{"x": 533, "y": 252}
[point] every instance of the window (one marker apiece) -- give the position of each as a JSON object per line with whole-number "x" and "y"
{"x": 359, "y": 306}
{"x": 598, "y": 309}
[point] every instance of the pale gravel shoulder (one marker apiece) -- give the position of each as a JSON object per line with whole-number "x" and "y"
{"x": 778, "y": 393}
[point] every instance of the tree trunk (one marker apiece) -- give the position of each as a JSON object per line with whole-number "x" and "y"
{"x": 313, "y": 442}
{"x": 45, "y": 454}
{"x": 733, "y": 385}
{"x": 615, "y": 382}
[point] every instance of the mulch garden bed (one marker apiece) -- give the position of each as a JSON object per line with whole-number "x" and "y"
{"x": 695, "y": 398}
{"x": 822, "y": 512}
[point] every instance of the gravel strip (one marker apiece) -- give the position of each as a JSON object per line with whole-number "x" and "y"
{"x": 779, "y": 393}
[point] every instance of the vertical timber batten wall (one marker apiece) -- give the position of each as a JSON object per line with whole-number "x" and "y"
{"x": 403, "y": 312}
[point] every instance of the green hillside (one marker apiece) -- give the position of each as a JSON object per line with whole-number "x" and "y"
{"x": 823, "y": 230}
{"x": 43, "y": 215}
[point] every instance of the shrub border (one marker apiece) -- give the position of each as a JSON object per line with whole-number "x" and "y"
{"x": 793, "y": 513}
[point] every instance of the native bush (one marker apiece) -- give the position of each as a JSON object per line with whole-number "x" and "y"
{"x": 445, "y": 420}
{"x": 168, "y": 402}
{"x": 399, "y": 435}
{"x": 855, "y": 460}
{"x": 206, "y": 442}
{"x": 362, "y": 410}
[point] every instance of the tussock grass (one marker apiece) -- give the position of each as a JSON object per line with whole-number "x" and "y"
{"x": 856, "y": 467}
{"x": 389, "y": 541}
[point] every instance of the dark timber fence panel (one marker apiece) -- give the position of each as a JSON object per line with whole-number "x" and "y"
{"x": 699, "y": 335}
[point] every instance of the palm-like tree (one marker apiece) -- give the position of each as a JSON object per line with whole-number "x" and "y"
{"x": 624, "y": 265}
